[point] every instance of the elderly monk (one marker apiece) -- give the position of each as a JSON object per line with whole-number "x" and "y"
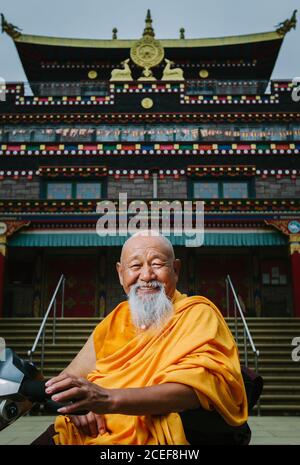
{"x": 154, "y": 356}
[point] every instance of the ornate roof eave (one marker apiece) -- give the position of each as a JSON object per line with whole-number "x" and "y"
{"x": 127, "y": 44}
{"x": 282, "y": 28}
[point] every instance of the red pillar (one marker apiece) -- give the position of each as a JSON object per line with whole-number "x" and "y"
{"x": 295, "y": 262}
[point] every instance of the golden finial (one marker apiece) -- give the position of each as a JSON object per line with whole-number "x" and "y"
{"x": 12, "y": 30}
{"x": 148, "y": 31}
{"x": 114, "y": 33}
{"x": 285, "y": 26}
{"x": 182, "y": 33}
{"x": 147, "y": 52}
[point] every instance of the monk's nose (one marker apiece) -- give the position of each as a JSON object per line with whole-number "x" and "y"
{"x": 147, "y": 274}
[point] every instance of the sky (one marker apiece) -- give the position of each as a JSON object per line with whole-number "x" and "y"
{"x": 95, "y": 19}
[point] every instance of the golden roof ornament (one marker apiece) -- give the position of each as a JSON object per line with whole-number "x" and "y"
{"x": 12, "y": 30}
{"x": 147, "y": 52}
{"x": 114, "y": 33}
{"x": 170, "y": 73}
{"x": 148, "y": 31}
{"x": 123, "y": 74}
{"x": 182, "y": 33}
{"x": 285, "y": 26}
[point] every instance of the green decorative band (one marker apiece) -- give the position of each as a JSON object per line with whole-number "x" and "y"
{"x": 211, "y": 239}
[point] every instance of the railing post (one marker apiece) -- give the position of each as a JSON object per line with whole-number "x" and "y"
{"x": 43, "y": 352}
{"x": 41, "y": 331}
{"x": 236, "y": 324}
{"x": 247, "y": 334}
{"x": 256, "y": 369}
{"x": 245, "y": 349}
{"x": 63, "y": 298}
{"x": 227, "y": 297}
{"x": 54, "y": 323}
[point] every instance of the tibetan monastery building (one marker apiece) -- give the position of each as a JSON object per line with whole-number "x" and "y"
{"x": 175, "y": 120}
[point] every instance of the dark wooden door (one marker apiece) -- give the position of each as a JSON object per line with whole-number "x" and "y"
{"x": 80, "y": 286}
{"x": 212, "y": 271}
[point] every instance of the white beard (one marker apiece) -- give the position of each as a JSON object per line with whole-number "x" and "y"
{"x": 151, "y": 310}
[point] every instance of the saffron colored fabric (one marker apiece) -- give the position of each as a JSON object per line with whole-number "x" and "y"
{"x": 195, "y": 348}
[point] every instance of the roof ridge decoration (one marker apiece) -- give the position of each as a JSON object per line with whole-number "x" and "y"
{"x": 9, "y": 28}
{"x": 285, "y": 26}
{"x": 147, "y": 53}
{"x": 281, "y": 29}
{"x": 148, "y": 31}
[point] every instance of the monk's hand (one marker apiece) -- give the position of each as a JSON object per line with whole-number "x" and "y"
{"x": 84, "y": 395}
{"x": 91, "y": 424}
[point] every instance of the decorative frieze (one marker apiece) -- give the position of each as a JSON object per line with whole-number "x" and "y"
{"x": 152, "y": 148}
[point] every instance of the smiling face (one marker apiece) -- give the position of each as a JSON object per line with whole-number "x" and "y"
{"x": 145, "y": 259}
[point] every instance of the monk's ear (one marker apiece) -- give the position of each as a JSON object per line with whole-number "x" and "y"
{"x": 119, "y": 270}
{"x": 177, "y": 266}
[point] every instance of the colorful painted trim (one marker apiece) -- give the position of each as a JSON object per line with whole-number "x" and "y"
{"x": 184, "y": 99}
{"x": 218, "y": 170}
{"x": 71, "y": 171}
{"x": 11, "y": 88}
{"x": 229, "y": 99}
{"x": 136, "y": 88}
{"x": 65, "y": 207}
{"x": 196, "y": 170}
{"x": 7, "y": 118}
{"x": 281, "y": 87}
{"x": 165, "y": 148}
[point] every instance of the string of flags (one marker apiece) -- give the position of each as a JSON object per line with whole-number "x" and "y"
{"x": 185, "y": 132}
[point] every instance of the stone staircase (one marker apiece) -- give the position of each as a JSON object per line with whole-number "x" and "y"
{"x": 272, "y": 337}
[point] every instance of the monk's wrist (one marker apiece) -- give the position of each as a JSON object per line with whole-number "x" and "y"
{"x": 115, "y": 400}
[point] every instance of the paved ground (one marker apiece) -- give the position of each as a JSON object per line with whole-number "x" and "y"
{"x": 265, "y": 430}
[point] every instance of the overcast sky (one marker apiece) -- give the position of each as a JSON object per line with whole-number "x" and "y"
{"x": 96, "y": 18}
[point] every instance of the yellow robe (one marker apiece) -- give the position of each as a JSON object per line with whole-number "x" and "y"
{"x": 195, "y": 348}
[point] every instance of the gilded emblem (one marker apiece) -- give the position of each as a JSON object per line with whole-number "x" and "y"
{"x": 147, "y": 52}
{"x": 92, "y": 74}
{"x": 147, "y": 103}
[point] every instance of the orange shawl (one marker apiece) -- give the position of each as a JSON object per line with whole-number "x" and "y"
{"x": 195, "y": 348}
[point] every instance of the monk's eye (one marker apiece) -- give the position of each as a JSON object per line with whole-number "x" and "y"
{"x": 135, "y": 267}
{"x": 157, "y": 265}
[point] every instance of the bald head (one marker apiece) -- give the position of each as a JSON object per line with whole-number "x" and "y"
{"x": 148, "y": 238}
{"x": 148, "y": 257}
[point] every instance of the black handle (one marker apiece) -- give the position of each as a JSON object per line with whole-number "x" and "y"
{"x": 34, "y": 390}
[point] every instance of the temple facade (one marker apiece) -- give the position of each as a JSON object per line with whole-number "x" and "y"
{"x": 174, "y": 121}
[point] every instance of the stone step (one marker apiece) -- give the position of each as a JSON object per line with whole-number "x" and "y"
{"x": 273, "y": 380}
{"x": 284, "y": 353}
{"x": 278, "y": 388}
{"x": 268, "y": 346}
{"x": 278, "y": 409}
{"x": 252, "y": 323}
{"x": 74, "y": 346}
{"x": 272, "y": 338}
{"x": 286, "y": 398}
{"x": 73, "y": 338}
{"x": 64, "y": 323}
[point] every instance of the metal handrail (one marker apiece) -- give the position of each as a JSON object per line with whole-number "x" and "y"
{"x": 41, "y": 331}
{"x": 246, "y": 331}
